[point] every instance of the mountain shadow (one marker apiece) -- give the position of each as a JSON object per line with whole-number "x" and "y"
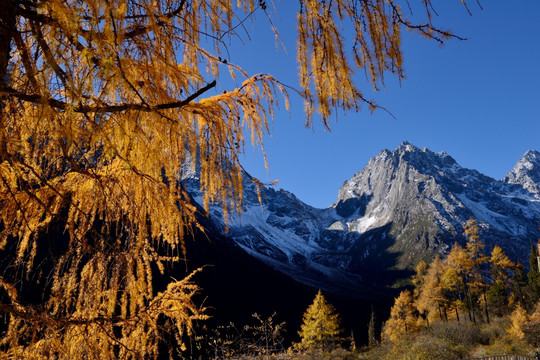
{"x": 235, "y": 285}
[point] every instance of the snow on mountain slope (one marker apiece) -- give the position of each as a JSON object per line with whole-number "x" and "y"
{"x": 405, "y": 205}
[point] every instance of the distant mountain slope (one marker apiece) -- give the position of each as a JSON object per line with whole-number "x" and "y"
{"x": 405, "y": 205}
{"x": 234, "y": 285}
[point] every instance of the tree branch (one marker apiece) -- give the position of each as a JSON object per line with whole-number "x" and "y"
{"x": 139, "y": 30}
{"x": 31, "y": 314}
{"x": 84, "y": 109}
{"x": 426, "y": 29}
{"x": 135, "y": 31}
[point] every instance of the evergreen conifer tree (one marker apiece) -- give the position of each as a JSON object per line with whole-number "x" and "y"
{"x": 320, "y": 329}
{"x": 534, "y": 276}
{"x": 519, "y": 286}
{"x": 533, "y": 263}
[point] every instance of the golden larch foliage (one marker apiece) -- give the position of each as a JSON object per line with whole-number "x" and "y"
{"x": 519, "y": 318}
{"x": 429, "y": 298}
{"x": 501, "y": 265}
{"x": 402, "y": 319}
{"x": 103, "y": 106}
{"x": 320, "y": 329}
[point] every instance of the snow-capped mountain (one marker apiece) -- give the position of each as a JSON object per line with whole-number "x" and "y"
{"x": 527, "y": 173}
{"x": 405, "y": 205}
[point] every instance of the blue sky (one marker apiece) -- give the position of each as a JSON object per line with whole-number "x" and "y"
{"x": 478, "y": 100}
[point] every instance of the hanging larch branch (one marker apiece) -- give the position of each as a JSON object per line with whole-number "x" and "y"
{"x": 102, "y": 104}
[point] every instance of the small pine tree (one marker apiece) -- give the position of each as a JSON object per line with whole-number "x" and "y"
{"x": 534, "y": 275}
{"x": 320, "y": 329}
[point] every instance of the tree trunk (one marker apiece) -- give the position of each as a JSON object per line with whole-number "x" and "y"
{"x": 7, "y": 27}
{"x": 486, "y": 306}
{"x": 471, "y": 307}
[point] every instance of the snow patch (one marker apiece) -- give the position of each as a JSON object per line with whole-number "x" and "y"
{"x": 492, "y": 218}
{"x": 362, "y": 225}
{"x": 338, "y": 225}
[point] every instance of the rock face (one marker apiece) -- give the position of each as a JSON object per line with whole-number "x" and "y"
{"x": 405, "y": 205}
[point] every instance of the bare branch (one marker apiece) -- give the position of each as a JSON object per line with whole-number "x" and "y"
{"x": 84, "y": 109}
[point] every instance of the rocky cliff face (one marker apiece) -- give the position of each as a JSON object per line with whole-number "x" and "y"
{"x": 427, "y": 198}
{"x": 405, "y": 205}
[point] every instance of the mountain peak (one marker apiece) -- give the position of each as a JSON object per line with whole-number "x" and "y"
{"x": 406, "y": 146}
{"x": 526, "y": 172}
{"x": 532, "y": 156}
{"x": 423, "y": 160}
{"x": 405, "y": 205}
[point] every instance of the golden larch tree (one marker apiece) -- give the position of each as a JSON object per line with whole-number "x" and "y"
{"x": 102, "y": 104}
{"x": 418, "y": 279}
{"x": 456, "y": 280}
{"x": 475, "y": 250}
{"x": 500, "y": 265}
{"x": 501, "y": 270}
{"x": 429, "y": 299}
{"x": 320, "y": 329}
{"x": 402, "y": 318}
{"x": 519, "y": 318}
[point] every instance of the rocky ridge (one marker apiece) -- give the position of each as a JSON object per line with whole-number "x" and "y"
{"x": 405, "y": 205}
